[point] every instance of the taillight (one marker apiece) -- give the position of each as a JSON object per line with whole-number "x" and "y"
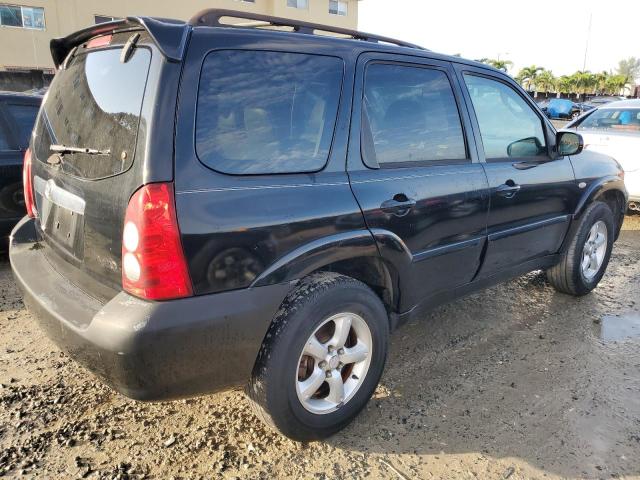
{"x": 27, "y": 185}
{"x": 153, "y": 263}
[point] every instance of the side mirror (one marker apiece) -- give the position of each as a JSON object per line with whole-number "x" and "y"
{"x": 569, "y": 143}
{"x": 526, "y": 147}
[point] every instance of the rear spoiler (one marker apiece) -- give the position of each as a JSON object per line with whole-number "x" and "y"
{"x": 170, "y": 36}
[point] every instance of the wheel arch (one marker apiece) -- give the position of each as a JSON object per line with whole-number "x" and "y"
{"x": 377, "y": 258}
{"x": 609, "y": 190}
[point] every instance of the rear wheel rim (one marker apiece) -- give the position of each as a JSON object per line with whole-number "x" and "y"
{"x": 334, "y": 363}
{"x": 594, "y": 250}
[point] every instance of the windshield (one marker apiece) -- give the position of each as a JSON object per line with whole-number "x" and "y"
{"x": 615, "y": 119}
{"x": 94, "y": 103}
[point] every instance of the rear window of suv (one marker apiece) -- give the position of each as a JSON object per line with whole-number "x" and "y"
{"x": 262, "y": 112}
{"x": 95, "y": 102}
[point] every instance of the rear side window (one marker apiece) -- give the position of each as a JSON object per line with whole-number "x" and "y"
{"x": 267, "y": 112}
{"x": 622, "y": 119}
{"x": 410, "y": 115}
{"x": 23, "y": 117}
{"x": 4, "y": 137}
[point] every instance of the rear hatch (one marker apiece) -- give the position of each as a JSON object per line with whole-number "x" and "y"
{"x": 94, "y": 102}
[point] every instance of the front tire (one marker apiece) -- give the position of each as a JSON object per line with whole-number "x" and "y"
{"x": 585, "y": 261}
{"x": 322, "y": 357}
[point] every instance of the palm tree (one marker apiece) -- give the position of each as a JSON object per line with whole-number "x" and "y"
{"x": 615, "y": 84}
{"x": 601, "y": 82}
{"x": 564, "y": 84}
{"x": 583, "y": 83}
{"x": 527, "y": 78}
{"x": 545, "y": 81}
{"x": 496, "y": 63}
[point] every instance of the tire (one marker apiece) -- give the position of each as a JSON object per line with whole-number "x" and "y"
{"x": 569, "y": 276}
{"x": 275, "y": 388}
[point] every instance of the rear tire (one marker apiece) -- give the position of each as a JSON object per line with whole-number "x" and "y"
{"x": 585, "y": 260}
{"x": 300, "y": 385}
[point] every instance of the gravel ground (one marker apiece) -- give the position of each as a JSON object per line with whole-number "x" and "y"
{"x": 514, "y": 382}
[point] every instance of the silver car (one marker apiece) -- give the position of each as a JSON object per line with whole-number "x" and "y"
{"x": 614, "y": 129}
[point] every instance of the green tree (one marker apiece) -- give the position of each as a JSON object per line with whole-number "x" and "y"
{"x": 496, "y": 63}
{"x": 629, "y": 68}
{"x": 615, "y": 84}
{"x": 564, "y": 84}
{"x": 527, "y": 77}
{"x": 546, "y": 81}
{"x": 583, "y": 83}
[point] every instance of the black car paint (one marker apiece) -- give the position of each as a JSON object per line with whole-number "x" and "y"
{"x": 11, "y": 158}
{"x": 274, "y": 229}
{"x": 97, "y": 267}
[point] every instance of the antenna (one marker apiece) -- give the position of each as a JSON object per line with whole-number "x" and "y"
{"x": 586, "y": 47}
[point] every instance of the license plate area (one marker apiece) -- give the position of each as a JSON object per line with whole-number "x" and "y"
{"x": 61, "y": 216}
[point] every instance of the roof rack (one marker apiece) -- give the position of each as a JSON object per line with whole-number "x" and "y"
{"x": 211, "y": 18}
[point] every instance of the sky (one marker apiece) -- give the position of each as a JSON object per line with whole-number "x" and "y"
{"x": 548, "y": 33}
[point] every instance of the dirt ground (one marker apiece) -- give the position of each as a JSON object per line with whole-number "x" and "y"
{"x": 514, "y": 382}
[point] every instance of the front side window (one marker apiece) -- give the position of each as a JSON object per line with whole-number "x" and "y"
{"x": 409, "y": 115}
{"x": 267, "y": 112}
{"x": 298, "y": 3}
{"x": 338, "y": 7}
{"x": 615, "y": 119}
{"x": 22, "y": 17}
{"x": 23, "y": 117}
{"x": 508, "y": 125}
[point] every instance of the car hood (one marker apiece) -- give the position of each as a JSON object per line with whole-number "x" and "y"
{"x": 623, "y": 146}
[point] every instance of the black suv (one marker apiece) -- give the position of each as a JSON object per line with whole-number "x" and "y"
{"x": 17, "y": 115}
{"x": 215, "y": 205}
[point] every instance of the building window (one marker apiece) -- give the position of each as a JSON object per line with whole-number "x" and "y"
{"x": 298, "y": 3}
{"x": 338, "y": 7}
{"x": 22, "y": 17}
{"x": 104, "y": 19}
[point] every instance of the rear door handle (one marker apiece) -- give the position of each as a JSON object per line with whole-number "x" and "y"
{"x": 508, "y": 190}
{"x": 400, "y": 205}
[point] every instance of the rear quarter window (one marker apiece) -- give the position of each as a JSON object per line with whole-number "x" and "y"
{"x": 261, "y": 112}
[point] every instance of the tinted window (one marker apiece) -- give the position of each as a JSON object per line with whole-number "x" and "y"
{"x": 505, "y": 120}
{"x": 4, "y": 137}
{"x": 95, "y": 103}
{"x": 409, "y": 115}
{"x": 267, "y": 112}
{"x": 617, "y": 119}
{"x": 23, "y": 117}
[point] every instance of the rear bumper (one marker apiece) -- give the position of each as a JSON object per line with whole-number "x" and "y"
{"x": 146, "y": 350}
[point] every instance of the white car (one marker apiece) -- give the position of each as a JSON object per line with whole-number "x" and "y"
{"x": 614, "y": 129}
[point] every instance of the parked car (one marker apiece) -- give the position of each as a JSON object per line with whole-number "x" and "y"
{"x": 17, "y": 116}
{"x": 614, "y": 129}
{"x": 305, "y": 196}
{"x": 561, "y": 108}
{"x": 603, "y": 100}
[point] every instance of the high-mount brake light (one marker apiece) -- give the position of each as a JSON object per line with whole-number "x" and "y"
{"x": 153, "y": 262}
{"x": 97, "y": 42}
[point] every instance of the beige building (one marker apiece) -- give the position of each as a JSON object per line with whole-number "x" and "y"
{"x": 27, "y": 27}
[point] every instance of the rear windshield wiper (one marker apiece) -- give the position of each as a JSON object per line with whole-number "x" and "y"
{"x": 63, "y": 149}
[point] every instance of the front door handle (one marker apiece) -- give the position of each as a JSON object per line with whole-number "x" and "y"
{"x": 400, "y": 205}
{"x": 508, "y": 190}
